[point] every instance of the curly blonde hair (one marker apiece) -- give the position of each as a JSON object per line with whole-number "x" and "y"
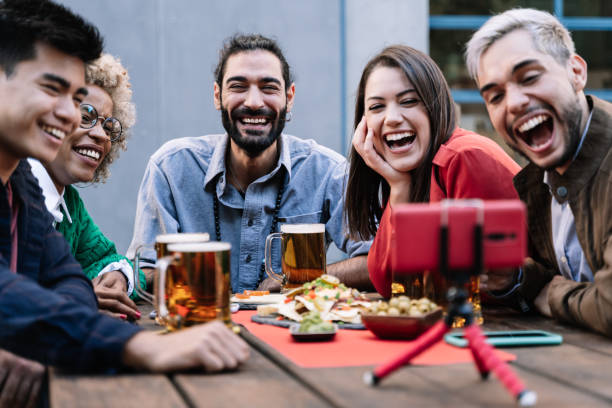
{"x": 108, "y": 73}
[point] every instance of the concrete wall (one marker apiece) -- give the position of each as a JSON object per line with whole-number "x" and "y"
{"x": 373, "y": 25}
{"x": 170, "y": 49}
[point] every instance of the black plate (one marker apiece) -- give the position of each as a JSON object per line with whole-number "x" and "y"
{"x": 322, "y": 336}
{"x": 287, "y": 323}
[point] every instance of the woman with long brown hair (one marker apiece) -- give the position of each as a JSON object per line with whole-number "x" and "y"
{"x": 407, "y": 148}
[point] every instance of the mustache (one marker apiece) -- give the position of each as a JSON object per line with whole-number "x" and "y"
{"x": 244, "y": 111}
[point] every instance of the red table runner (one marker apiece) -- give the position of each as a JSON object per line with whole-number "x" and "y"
{"x": 352, "y": 347}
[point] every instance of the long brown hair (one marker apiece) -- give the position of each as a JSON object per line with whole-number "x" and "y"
{"x": 367, "y": 192}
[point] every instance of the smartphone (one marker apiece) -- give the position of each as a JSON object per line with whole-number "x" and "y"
{"x": 511, "y": 338}
{"x": 416, "y": 241}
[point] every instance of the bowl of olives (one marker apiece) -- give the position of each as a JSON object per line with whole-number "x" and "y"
{"x": 401, "y": 317}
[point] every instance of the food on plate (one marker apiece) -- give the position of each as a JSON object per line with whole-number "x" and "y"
{"x": 248, "y": 293}
{"x": 256, "y": 292}
{"x": 256, "y": 297}
{"x": 332, "y": 300}
{"x": 267, "y": 310}
{"x": 402, "y": 306}
{"x": 312, "y": 323}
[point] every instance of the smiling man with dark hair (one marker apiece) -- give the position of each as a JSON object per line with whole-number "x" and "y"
{"x": 241, "y": 185}
{"x": 48, "y": 310}
{"x": 532, "y": 81}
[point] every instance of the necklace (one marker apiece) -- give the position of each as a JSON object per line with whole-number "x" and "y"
{"x": 236, "y": 183}
{"x": 262, "y": 270}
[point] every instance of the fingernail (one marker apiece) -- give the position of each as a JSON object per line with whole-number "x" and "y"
{"x": 122, "y": 316}
{"x": 138, "y": 315}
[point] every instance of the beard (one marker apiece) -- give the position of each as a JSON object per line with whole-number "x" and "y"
{"x": 255, "y": 141}
{"x": 573, "y": 118}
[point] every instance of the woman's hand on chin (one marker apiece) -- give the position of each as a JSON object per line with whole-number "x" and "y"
{"x": 399, "y": 182}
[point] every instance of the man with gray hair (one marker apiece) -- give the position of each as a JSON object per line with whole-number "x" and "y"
{"x": 532, "y": 81}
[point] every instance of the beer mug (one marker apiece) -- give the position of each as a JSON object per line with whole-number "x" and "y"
{"x": 192, "y": 284}
{"x": 161, "y": 244}
{"x": 302, "y": 254}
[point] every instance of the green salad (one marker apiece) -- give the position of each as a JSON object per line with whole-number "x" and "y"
{"x": 312, "y": 323}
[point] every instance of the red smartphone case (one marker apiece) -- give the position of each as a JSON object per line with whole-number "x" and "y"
{"x": 416, "y": 236}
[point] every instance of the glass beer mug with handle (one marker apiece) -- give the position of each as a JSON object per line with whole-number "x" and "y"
{"x": 192, "y": 284}
{"x": 161, "y": 244}
{"x": 302, "y": 254}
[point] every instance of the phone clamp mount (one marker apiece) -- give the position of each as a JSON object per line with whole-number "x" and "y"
{"x": 482, "y": 353}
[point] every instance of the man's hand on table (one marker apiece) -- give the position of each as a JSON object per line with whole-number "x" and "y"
{"x": 541, "y": 301}
{"x": 211, "y": 346}
{"x": 111, "y": 291}
{"x": 269, "y": 284}
{"x": 498, "y": 280}
{"x": 20, "y": 380}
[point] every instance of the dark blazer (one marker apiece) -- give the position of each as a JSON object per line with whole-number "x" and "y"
{"x": 48, "y": 310}
{"x": 588, "y": 186}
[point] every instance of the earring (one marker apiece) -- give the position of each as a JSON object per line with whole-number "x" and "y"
{"x": 289, "y": 116}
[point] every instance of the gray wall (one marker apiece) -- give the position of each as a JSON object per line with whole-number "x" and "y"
{"x": 170, "y": 49}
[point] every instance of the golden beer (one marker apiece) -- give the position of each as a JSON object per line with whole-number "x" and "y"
{"x": 162, "y": 241}
{"x": 302, "y": 254}
{"x": 161, "y": 249}
{"x": 194, "y": 284}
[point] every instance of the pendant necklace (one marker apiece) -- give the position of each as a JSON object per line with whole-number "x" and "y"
{"x": 275, "y": 211}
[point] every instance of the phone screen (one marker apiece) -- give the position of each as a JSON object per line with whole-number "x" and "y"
{"x": 494, "y": 335}
{"x": 512, "y": 338}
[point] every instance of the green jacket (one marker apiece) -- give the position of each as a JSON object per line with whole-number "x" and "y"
{"x": 89, "y": 245}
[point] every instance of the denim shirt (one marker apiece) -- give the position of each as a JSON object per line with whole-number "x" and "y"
{"x": 176, "y": 195}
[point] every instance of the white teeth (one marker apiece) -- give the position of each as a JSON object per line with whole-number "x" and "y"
{"x": 54, "y": 132}
{"x": 89, "y": 153}
{"x": 398, "y": 136}
{"x": 255, "y": 121}
{"x": 531, "y": 123}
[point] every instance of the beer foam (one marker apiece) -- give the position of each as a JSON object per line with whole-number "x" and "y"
{"x": 211, "y": 246}
{"x": 182, "y": 238}
{"x": 302, "y": 228}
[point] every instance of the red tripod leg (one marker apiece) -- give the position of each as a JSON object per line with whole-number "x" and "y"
{"x": 422, "y": 343}
{"x": 486, "y": 360}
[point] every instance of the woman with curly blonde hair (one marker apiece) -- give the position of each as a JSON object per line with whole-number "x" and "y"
{"x": 107, "y": 114}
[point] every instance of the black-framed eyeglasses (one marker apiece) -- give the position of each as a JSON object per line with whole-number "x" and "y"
{"x": 90, "y": 117}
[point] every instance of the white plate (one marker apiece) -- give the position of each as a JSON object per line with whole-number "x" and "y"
{"x": 272, "y": 298}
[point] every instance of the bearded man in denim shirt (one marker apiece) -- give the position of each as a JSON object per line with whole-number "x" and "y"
{"x": 249, "y": 174}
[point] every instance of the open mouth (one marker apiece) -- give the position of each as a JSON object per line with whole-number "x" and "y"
{"x": 53, "y": 131}
{"x": 254, "y": 121}
{"x": 536, "y": 132}
{"x": 397, "y": 140}
{"x": 89, "y": 153}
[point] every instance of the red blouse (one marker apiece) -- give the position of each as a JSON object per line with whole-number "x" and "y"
{"x": 468, "y": 166}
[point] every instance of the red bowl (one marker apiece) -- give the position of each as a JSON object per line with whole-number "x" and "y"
{"x": 400, "y": 327}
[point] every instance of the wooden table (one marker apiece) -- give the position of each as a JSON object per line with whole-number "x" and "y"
{"x": 574, "y": 374}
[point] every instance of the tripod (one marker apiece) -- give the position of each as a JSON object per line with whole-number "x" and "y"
{"x": 483, "y": 353}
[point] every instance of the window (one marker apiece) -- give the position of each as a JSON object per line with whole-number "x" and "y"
{"x": 452, "y": 22}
